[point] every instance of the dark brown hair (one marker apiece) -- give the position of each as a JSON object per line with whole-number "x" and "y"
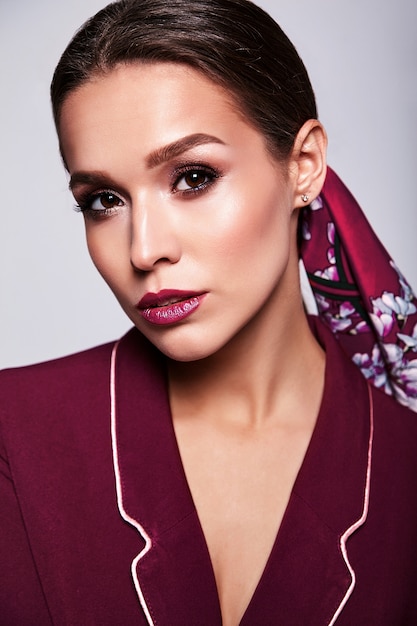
{"x": 232, "y": 42}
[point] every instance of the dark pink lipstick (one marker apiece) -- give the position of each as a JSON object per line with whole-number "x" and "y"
{"x": 169, "y": 306}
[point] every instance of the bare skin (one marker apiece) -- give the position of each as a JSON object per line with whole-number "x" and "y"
{"x": 243, "y": 431}
{"x": 180, "y": 192}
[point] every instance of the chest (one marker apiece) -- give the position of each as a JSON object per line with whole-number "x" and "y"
{"x": 240, "y": 484}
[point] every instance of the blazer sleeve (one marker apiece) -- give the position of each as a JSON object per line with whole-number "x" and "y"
{"x": 21, "y": 596}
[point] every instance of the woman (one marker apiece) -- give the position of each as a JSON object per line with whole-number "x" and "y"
{"x": 225, "y": 462}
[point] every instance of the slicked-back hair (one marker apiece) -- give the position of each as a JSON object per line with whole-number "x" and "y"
{"x": 234, "y": 43}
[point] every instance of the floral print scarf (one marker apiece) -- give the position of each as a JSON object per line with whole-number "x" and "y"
{"x": 359, "y": 291}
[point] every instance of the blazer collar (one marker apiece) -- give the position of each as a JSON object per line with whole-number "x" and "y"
{"x": 172, "y": 573}
{"x": 308, "y": 577}
{"x": 309, "y": 570}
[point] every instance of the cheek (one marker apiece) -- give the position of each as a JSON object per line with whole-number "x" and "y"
{"x": 107, "y": 250}
{"x": 251, "y": 225}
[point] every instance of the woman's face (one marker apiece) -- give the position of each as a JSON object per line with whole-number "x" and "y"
{"x": 188, "y": 217}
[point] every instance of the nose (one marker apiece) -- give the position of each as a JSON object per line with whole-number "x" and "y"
{"x": 153, "y": 237}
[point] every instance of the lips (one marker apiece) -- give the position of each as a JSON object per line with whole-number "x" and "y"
{"x": 169, "y": 306}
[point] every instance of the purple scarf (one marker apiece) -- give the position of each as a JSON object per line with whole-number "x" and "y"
{"x": 359, "y": 291}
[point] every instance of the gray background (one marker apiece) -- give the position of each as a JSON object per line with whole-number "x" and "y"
{"x": 361, "y": 58}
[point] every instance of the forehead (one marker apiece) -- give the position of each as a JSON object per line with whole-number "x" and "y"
{"x": 157, "y": 91}
{"x": 144, "y": 106}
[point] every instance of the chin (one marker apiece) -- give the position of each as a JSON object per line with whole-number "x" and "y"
{"x": 181, "y": 347}
{"x": 183, "y": 353}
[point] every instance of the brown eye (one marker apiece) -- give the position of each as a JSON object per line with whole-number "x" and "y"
{"x": 100, "y": 204}
{"x": 195, "y": 179}
{"x": 106, "y": 200}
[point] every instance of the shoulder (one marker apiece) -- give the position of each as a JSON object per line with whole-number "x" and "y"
{"x": 44, "y": 403}
{"x": 61, "y": 408}
{"x": 54, "y": 376}
{"x": 74, "y": 388}
{"x": 394, "y": 425}
{"x": 74, "y": 372}
{"x": 391, "y": 411}
{"x": 395, "y": 437}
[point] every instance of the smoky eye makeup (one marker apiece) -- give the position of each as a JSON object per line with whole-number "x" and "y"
{"x": 190, "y": 179}
{"x": 185, "y": 180}
{"x": 98, "y": 204}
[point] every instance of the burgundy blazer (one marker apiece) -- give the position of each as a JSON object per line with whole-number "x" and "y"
{"x": 98, "y": 526}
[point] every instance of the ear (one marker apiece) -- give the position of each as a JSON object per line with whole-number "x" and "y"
{"x": 308, "y": 162}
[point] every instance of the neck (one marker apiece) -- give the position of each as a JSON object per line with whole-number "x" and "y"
{"x": 273, "y": 370}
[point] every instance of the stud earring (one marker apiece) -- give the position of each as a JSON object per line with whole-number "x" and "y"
{"x": 304, "y": 197}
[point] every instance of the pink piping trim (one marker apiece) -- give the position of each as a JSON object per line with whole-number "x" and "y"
{"x": 148, "y": 542}
{"x": 361, "y": 520}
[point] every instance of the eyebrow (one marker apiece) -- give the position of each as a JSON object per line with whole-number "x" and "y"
{"x": 174, "y": 149}
{"x": 154, "y": 159}
{"x": 89, "y": 178}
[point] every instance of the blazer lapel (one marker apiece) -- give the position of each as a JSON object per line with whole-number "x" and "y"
{"x": 172, "y": 573}
{"x": 308, "y": 578}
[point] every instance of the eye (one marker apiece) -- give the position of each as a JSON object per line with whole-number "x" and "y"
{"x": 104, "y": 201}
{"x": 99, "y": 205}
{"x": 194, "y": 179}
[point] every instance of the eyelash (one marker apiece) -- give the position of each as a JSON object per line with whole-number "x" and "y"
{"x": 85, "y": 202}
{"x": 181, "y": 172}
